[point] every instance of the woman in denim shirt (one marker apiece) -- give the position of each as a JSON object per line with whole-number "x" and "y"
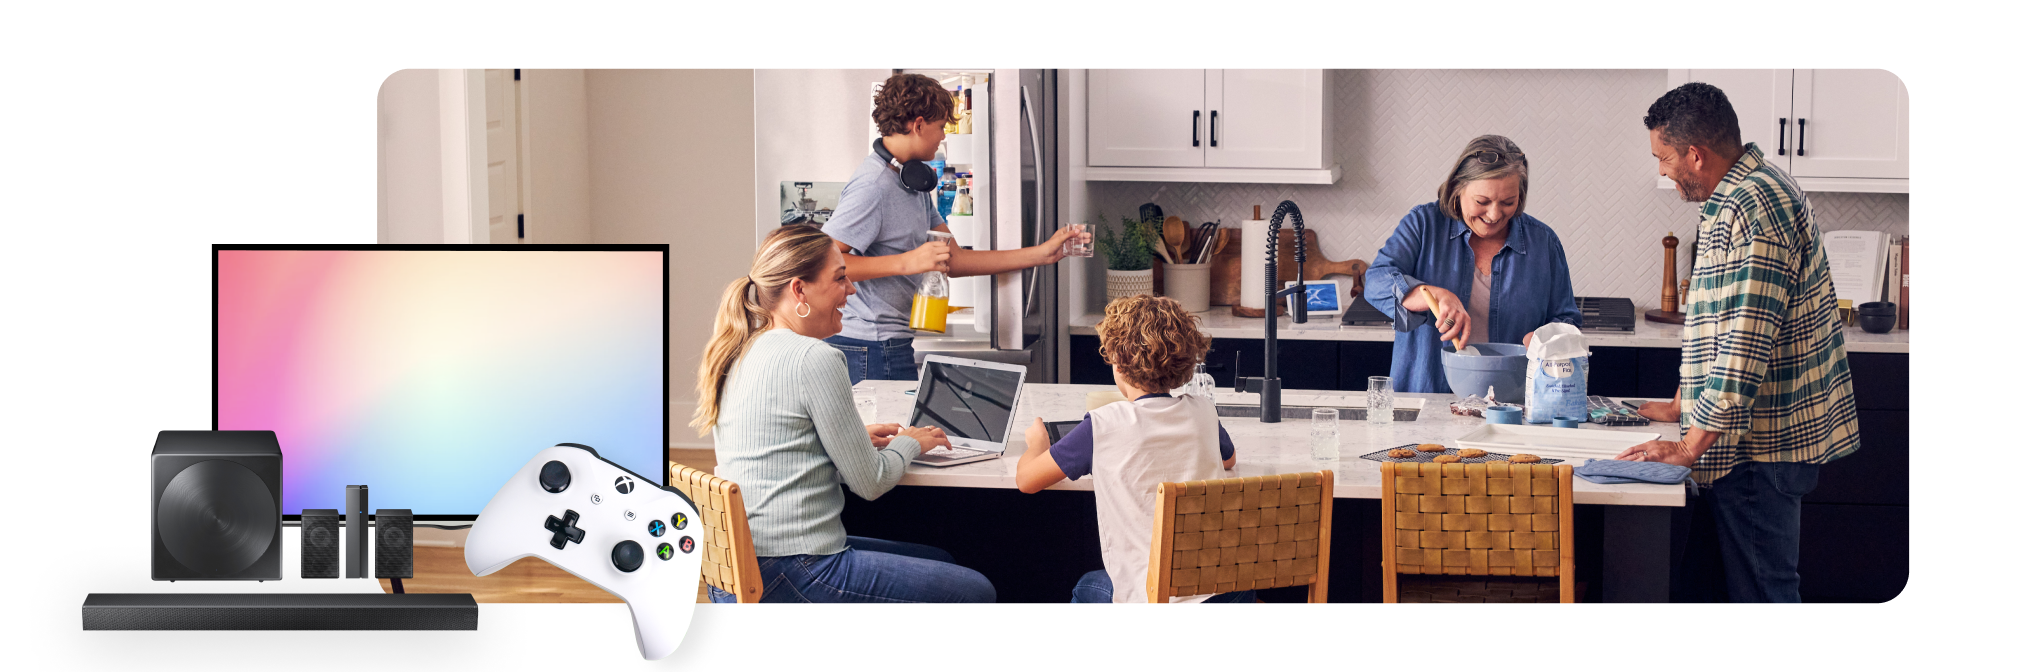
{"x": 1496, "y": 274}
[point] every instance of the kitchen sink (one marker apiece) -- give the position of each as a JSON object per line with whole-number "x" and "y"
{"x": 1302, "y": 412}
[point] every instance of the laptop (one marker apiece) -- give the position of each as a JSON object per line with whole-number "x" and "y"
{"x": 972, "y": 401}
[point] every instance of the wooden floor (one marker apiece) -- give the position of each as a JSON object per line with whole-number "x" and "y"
{"x": 443, "y": 569}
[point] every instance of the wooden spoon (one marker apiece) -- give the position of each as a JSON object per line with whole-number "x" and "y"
{"x": 1173, "y": 231}
{"x": 1459, "y": 342}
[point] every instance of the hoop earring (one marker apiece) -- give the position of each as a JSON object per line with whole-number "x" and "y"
{"x": 803, "y": 306}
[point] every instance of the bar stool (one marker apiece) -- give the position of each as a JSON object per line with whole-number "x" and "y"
{"x": 728, "y": 560}
{"x": 1232, "y": 534}
{"x": 1487, "y": 519}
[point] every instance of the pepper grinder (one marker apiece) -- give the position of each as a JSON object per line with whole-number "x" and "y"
{"x": 1669, "y": 314}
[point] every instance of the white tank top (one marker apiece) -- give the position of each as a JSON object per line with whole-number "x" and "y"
{"x": 1137, "y": 445}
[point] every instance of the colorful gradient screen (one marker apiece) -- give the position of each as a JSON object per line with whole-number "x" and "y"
{"x": 431, "y": 374}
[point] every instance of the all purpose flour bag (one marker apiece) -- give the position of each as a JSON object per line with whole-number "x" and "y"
{"x": 1557, "y": 359}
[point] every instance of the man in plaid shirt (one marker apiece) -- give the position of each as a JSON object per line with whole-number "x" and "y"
{"x": 1764, "y": 393}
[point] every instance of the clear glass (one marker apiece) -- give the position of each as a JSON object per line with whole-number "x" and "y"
{"x": 1199, "y": 385}
{"x": 1323, "y": 437}
{"x": 866, "y": 404}
{"x": 1077, "y": 246}
{"x": 1379, "y": 401}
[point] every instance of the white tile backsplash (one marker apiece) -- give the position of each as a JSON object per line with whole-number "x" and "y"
{"x": 1591, "y": 175}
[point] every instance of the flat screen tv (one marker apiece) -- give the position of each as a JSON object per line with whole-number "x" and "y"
{"x": 432, "y": 373}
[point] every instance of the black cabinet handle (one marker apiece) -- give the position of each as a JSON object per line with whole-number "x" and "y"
{"x": 1213, "y": 128}
{"x": 1782, "y": 132}
{"x": 1195, "y": 128}
{"x": 1800, "y": 136}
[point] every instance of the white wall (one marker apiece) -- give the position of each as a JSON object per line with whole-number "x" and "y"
{"x": 407, "y": 202}
{"x": 813, "y": 126}
{"x": 557, "y": 205}
{"x": 670, "y": 161}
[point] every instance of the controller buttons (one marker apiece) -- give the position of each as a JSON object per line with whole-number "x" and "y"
{"x": 665, "y": 551}
{"x": 679, "y": 521}
{"x": 554, "y": 477}
{"x": 563, "y": 529}
{"x": 595, "y": 498}
{"x": 657, "y": 528}
{"x": 625, "y": 484}
{"x": 627, "y": 555}
{"x": 686, "y": 544}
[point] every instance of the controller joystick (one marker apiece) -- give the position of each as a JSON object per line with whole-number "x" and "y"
{"x": 554, "y": 477}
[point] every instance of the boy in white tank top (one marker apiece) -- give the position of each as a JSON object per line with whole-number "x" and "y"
{"x": 1129, "y": 448}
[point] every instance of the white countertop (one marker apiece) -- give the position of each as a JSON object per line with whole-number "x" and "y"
{"x": 1262, "y": 448}
{"x": 1220, "y": 323}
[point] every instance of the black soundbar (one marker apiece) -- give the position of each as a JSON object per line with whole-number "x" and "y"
{"x": 269, "y": 611}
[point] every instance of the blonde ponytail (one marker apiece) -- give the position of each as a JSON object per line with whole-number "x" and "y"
{"x": 798, "y": 251}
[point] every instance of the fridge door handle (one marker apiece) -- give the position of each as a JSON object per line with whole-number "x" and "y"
{"x": 1040, "y": 232}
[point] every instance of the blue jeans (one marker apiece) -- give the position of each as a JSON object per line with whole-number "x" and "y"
{"x": 877, "y": 360}
{"x": 871, "y": 570}
{"x": 1744, "y": 535}
{"x": 1095, "y": 588}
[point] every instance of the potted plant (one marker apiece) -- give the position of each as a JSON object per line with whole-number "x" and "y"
{"x": 1128, "y": 258}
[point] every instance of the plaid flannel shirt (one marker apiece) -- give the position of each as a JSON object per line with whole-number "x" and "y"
{"x": 1764, "y": 363}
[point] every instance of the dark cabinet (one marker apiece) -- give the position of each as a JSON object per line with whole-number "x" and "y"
{"x": 1854, "y": 553}
{"x": 1359, "y": 360}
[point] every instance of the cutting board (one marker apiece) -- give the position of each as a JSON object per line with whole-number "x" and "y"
{"x": 1225, "y": 267}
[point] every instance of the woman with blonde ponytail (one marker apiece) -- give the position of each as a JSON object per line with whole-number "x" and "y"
{"x": 776, "y": 397}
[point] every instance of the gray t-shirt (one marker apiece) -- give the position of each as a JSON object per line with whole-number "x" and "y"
{"x": 878, "y": 217}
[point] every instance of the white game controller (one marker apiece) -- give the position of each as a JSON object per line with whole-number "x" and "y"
{"x": 611, "y": 527}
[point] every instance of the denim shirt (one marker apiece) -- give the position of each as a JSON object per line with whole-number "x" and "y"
{"x": 1531, "y": 287}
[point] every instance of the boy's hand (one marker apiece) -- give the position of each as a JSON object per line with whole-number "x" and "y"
{"x": 1036, "y": 433}
{"x": 930, "y": 256}
{"x": 1055, "y": 248}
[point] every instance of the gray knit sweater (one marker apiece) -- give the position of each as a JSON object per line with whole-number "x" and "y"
{"x": 788, "y": 429}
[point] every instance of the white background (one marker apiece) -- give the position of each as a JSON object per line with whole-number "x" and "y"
{"x": 135, "y": 136}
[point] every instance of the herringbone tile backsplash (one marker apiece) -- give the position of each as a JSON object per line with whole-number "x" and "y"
{"x": 1591, "y": 175}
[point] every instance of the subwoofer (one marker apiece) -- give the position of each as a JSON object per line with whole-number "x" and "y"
{"x": 215, "y": 500}
{"x": 320, "y": 556}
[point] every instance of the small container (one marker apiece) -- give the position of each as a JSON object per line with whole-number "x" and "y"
{"x": 1503, "y": 414}
{"x": 1075, "y": 246}
{"x": 1847, "y": 312}
{"x": 1877, "y": 317}
{"x": 1188, "y": 284}
{"x": 1561, "y": 421}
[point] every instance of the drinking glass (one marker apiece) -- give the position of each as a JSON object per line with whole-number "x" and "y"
{"x": 1076, "y": 246}
{"x": 1323, "y": 437}
{"x": 866, "y": 404}
{"x": 1379, "y": 401}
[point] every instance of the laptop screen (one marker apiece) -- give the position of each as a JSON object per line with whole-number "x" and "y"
{"x": 966, "y": 401}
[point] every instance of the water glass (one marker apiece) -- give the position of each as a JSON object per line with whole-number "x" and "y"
{"x": 1323, "y": 437}
{"x": 1379, "y": 401}
{"x": 866, "y": 404}
{"x": 1078, "y": 245}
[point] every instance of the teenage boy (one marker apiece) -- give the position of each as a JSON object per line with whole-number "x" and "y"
{"x": 1129, "y": 448}
{"x": 880, "y": 225}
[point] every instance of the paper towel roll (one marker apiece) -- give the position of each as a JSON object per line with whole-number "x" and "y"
{"x": 1252, "y": 263}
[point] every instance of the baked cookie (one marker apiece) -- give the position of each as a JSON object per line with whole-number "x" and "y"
{"x": 1446, "y": 459}
{"x": 1401, "y": 452}
{"x": 1469, "y": 453}
{"x": 1524, "y": 458}
{"x": 1431, "y": 447}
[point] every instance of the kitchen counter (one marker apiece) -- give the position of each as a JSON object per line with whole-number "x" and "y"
{"x": 1218, "y": 322}
{"x": 1262, "y": 448}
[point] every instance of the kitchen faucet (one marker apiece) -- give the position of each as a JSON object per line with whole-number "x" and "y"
{"x": 1269, "y": 386}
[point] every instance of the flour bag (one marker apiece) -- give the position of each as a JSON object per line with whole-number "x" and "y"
{"x": 1557, "y": 359}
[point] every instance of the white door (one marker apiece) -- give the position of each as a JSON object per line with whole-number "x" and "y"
{"x": 1761, "y": 100}
{"x": 1265, "y": 119}
{"x": 1855, "y": 123}
{"x": 1147, "y": 118}
{"x": 505, "y": 197}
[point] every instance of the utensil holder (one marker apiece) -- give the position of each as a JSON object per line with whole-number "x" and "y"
{"x": 1188, "y": 284}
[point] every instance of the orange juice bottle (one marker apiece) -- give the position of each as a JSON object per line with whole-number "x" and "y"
{"x": 930, "y": 304}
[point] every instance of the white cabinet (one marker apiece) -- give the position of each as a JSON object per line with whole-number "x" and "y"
{"x": 1832, "y": 130}
{"x": 1270, "y": 126}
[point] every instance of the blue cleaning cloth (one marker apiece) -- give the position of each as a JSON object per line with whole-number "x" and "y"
{"x": 1614, "y": 472}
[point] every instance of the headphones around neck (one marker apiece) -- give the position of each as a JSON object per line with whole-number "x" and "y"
{"x": 913, "y": 175}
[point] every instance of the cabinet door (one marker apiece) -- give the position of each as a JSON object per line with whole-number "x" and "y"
{"x": 1856, "y": 124}
{"x": 1266, "y": 119}
{"x": 1761, "y": 100}
{"x": 1147, "y": 118}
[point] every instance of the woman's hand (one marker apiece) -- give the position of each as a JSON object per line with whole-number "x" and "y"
{"x": 929, "y": 437}
{"x": 929, "y": 256}
{"x": 1453, "y": 322}
{"x": 1660, "y": 411}
{"x": 881, "y": 434}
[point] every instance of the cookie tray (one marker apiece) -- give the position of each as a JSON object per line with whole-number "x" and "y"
{"x": 1570, "y": 445}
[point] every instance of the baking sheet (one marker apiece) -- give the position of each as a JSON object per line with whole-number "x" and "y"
{"x": 1381, "y": 456}
{"x": 1571, "y": 445}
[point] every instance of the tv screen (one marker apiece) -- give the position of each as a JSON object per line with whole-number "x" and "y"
{"x": 432, "y": 373}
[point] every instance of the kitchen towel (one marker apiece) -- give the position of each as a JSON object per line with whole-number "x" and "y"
{"x": 1606, "y": 411}
{"x": 1614, "y": 472}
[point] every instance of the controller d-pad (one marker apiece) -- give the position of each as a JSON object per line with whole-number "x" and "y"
{"x": 554, "y": 477}
{"x": 563, "y": 529}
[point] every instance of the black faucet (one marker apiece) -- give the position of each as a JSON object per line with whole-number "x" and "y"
{"x": 1269, "y": 386}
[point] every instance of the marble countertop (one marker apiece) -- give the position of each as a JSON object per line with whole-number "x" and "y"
{"x": 1220, "y": 323}
{"x": 1262, "y": 448}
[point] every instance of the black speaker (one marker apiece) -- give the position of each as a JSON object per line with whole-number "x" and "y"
{"x": 216, "y": 501}
{"x": 357, "y": 532}
{"x": 319, "y": 556}
{"x": 392, "y": 543}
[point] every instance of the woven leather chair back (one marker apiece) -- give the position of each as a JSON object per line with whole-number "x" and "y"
{"x": 728, "y": 561}
{"x": 1232, "y": 534}
{"x": 1488, "y": 519}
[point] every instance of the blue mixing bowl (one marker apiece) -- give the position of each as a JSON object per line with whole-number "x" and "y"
{"x": 1501, "y": 366}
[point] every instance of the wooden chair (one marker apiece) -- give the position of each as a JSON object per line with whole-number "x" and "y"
{"x": 728, "y": 561}
{"x": 1487, "y": 519}
{"x": 1232, "y": 534}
